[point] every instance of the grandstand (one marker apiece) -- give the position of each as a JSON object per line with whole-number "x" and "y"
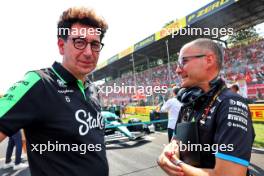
{"x": 151, "y": 62}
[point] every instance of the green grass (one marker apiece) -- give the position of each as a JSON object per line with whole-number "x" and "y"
{"x": 141, "y": 117}
{"x": 259, "y": 139}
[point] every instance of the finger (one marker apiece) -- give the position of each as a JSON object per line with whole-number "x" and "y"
{"x": 171, "y": 156}
{"x": 169, "y": 147}
{"x": 172, "y": 172}
{"x": 175, "y": 144}
{"x": 161, "y": 160}
{"x": 168, "y": 154}
{"x": 174, "y": 149}
{"x": 164, "y": 161}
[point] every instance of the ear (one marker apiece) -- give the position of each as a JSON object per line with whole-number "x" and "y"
{"x": 61, "y": 45}
{"x": 211, "y": 60}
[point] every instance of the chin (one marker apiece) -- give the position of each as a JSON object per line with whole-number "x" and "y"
{"x": 86, "y": 70}
{"x": 183, "y": 84}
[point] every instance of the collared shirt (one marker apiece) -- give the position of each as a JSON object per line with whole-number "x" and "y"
{"x": 226, "y": 132}
{"x": 173, "y": 106}
{"x": 62, "y": 121}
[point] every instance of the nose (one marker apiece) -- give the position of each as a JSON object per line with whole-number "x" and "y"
{"x": 178, "y": 70}
{"x": 88, "y": 50}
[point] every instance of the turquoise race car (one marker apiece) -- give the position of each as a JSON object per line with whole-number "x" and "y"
{"x": 116, "y": 130}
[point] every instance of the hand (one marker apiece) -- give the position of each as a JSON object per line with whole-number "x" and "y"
{"x": 170, "y": 153}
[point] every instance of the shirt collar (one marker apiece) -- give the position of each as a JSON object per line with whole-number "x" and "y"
{"x": 65, "y": 75}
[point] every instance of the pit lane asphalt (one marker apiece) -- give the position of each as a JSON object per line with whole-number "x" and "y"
{"x": 135, "y": 158}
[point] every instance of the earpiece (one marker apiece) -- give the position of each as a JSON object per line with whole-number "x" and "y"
{"x": 188, "y": 95}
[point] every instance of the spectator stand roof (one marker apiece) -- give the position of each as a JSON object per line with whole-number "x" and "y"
{"x": 236, "y": 14}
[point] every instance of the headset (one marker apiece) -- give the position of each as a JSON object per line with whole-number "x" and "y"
{"x": 192, "y": 94}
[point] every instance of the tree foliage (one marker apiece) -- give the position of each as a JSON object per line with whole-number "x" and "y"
{"x": 242, "y": 35}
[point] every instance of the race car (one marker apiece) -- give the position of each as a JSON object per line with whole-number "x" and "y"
{"x": 116, "y": 130}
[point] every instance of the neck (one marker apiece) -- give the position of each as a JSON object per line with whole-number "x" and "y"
{"x": 76, "y": 75}
{"x": 206, "y": 84}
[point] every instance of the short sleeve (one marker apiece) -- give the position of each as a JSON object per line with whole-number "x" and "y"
{"x": 17, "y": 108}
{"x": 234, "y": 131}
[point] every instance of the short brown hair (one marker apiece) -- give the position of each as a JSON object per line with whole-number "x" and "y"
{"x": 81, "y": 15}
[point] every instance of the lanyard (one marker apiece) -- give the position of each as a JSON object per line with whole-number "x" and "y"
{"x": 207, "y": 109}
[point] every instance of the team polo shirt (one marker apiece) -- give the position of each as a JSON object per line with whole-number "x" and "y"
{"x": 234, "y": 132}
{"x": 227, "y": 132}
{"x": 62, "y": 122}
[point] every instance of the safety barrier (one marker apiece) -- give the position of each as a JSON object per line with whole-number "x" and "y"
{"x": 139, "y": 110}
{"x": 257, "y": 111}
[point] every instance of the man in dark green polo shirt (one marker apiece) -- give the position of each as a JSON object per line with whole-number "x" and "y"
{"x": 59, "y": 107}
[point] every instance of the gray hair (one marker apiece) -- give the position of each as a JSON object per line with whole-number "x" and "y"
{"x": 208, "y": 44}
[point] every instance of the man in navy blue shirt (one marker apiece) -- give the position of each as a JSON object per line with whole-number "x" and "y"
{"x": 216, "y": 120}
{"x": 58, "y": 107}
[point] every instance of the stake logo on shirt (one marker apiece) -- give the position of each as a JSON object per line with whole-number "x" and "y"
{"x": 88, "y": 122}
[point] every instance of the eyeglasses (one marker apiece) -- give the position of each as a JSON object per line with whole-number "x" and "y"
{"x": 81, "y": 44}
{"x": 184, "y": 60}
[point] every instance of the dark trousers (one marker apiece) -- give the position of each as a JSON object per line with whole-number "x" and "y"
{"x": 15, "y": 140}
{"x": 170, "y": 133}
